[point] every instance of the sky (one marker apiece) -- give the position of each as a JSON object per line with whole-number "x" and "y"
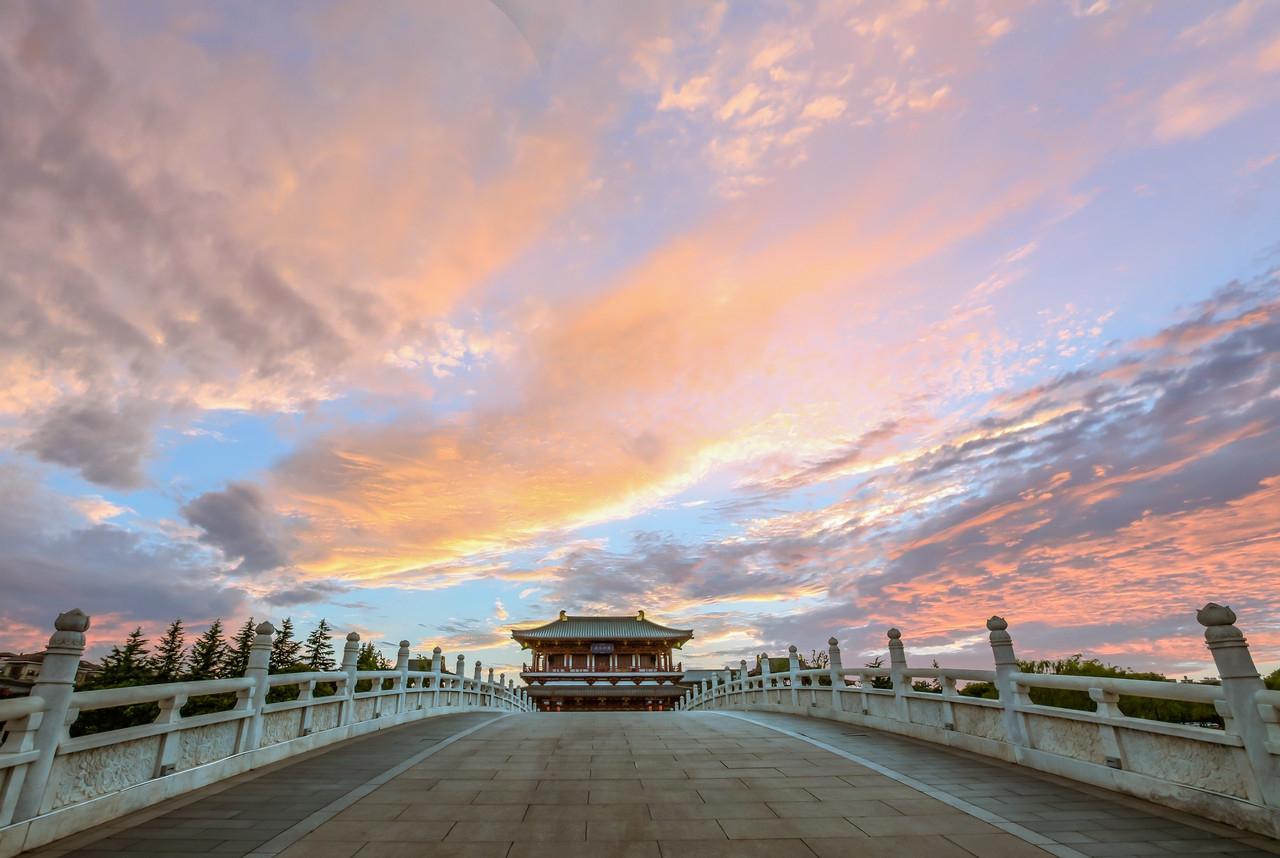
{"x": 775, "y": 320}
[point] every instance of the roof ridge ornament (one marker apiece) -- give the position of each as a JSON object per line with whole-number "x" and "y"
{"x": 564, "y": 615}
{"x": 640, "y": 616}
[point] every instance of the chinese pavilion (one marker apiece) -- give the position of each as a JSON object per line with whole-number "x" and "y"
{"x": 602, "y": 663}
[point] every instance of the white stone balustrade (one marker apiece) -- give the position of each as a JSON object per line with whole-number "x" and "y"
{"x": 1230, "y": 775}
{"x": 53, "y": 785}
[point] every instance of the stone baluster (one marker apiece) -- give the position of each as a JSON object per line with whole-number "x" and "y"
{"x": 1240, "y": 686}
{"x": 350, "y": 664}
{"x": 1013, "y": 695}
{"x": 766, "y": 677}
{"x": 793, "y": 678}
{"x": 402, "y": 682}
{"x": 949, "y": 694}
{"x": 492, "y": 698}
{"x": 54, "y": 685}
{"x": 171, "y": 742}
{"x": 1108, "y": 706}
{"x": 742, "y": 682}
{"x": 460, "y": 678}
{"x": 834, "y": 666}
{"x": 898, "y": 675}
{"x": 259, "y": 667}
{"x": 437, "y": 671}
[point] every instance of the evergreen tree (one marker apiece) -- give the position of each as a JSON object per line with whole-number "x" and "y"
{"x": 171, "y": 653}
{"x": 237, "y": 661}
{"x": 370, "y": 658}
{"x": 318, "y": 652}
{"x": 208, "y": 653}
{"x": 285, "y": 650}
{"x": 124, "y": 666}
{"x": 127, "y": 665}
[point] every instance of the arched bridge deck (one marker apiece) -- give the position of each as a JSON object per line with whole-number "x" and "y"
{"x": 660, "y": 785}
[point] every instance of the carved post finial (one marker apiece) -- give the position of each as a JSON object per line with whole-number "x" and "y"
{"x": 54, "y": 685}
{"x": 1240, "y": 685}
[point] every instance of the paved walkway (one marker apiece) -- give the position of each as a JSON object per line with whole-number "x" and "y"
{"x": 657, "y": 785}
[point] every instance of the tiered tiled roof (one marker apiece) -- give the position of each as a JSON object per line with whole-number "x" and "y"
{"x": 635, "y": 628}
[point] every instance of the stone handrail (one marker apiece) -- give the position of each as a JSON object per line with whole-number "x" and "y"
{"x": 53, "y": 785}
{"x": 1231, "y": 775}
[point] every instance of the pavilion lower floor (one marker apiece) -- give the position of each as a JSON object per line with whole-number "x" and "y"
{"x": 603, "y": 697}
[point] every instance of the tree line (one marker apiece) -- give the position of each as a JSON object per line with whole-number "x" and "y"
{"x": 1170, "y": 711}
{"x": 212, "y": 655}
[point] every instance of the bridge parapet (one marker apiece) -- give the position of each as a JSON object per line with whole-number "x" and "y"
{"x": 1231, "y": 775}
{"x": 53, "y": 785}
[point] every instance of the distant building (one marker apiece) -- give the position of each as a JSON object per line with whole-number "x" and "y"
{"x": 602, "y": 663}
{"x": 19, "y": 671}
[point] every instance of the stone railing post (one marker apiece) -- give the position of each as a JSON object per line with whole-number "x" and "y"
{"x": 460, "y": 674}
{"x": 795, "y": 675}
{"x": 478, "y": 678}
{"x": 259, "y": 668}
{"x": 1012, "y": 695}
{"x": 402, "y": 665}
{"x": 898, "y": 675}
{"x": 350, "y": 664}
{"x": 1240, "y": 686}
{"x": 742, "y": 683}
{"x": 766, "y": 678}
{"x": 437, "y": 668}
{"x": 55, "y": 685}
{"x": 492, "y": 698}
{"x": 834, "y": 665}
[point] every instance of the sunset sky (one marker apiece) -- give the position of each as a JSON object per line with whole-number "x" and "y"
{"x": 775, "y": 320}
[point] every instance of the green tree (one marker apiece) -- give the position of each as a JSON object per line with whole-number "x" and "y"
{"x": 879, "y": 681}
{"x": 1172, "y": 711}
{"x": 171, "y": 654}
{"x": 285, "y": 649}
{"x": 929, "y": 686}
{"x": 208, "y": 653}
{"x": 1272, "y": 679}
{"x": 369, "y": 658}
{"x": 318, "y": 652}
{"x": 126, "y": 665}
{"x": 237, "y": 661}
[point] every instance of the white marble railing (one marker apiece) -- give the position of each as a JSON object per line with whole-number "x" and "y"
{"x": 52, "y": 784}
{"x": 1231, "y": 775}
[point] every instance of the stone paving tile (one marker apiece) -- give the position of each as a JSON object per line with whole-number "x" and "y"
{"x": 766, "y": 829}
{"x": 436, "y": 850}
{"x": 746, "y": 809}
{"x": 667, "y": 829}
{"x": 928, "y": 846}
{"x": 847, "y": 809}
{"x": 521, "y": 831}
{"x": 996, "y": 845}
{"x": 736, "y": 849}
{"x": 597, "y": 849}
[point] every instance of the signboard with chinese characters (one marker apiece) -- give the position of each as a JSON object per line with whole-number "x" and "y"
{"x": 602, "y": 649}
